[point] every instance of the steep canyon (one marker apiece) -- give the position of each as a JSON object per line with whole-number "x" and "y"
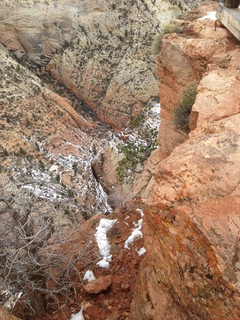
{"x": 184, "y": 206}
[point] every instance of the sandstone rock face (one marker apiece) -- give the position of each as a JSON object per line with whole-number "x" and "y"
{"x": 181, "y": 277}
{"x": 182, "y": 61}
{"x": 37, "y": 29}
{"x": 190, "y": 227}
{"x": 103, "y": 49}
{"x": 46, "y": 146}
{"x": 192, "y": 264}
{"x": 112, "y": 53}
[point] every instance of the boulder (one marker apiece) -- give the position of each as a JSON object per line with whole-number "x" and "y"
{"x": 98, "y": 285}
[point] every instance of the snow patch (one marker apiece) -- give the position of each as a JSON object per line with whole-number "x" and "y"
{"x": 89, "y": 276}
{"x": 210, "y": 15}
{"x": 53, "y": 168}
{"x": 136, "y": 233}
{"x": 104, "y": 198}
{"x": 78, "y": 316}
{"x": 153, "y": 117}
{"x": 104, "y": 264}
{"x": 141, "y": 251}
{"x": 102, "y": 241}
{"x": 141, "y": 212}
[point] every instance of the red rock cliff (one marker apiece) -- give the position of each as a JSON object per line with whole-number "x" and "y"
{"x": 191, "y": 270}
{"x": 183, "y": 60}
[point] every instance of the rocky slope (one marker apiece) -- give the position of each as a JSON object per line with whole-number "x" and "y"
{"x": 102, "y": 49}
{"x": 45, "y": 144}
{"x": 6, "y": 316}
{"x": 190, "y": 208}
{"x": 191, "y": 270}
{"x": 186, "y": 215}
{"x": 182, "y": 62}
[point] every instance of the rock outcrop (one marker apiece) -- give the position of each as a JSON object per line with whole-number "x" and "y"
{"x": 46, "y": 146}
{"x": 182, "y": 276}
{"x": 101, "y": 51}
{"x": 98, "y": 285}
{"x": 185, "y": 60}
{"x": 191, "y": 270}
{"x": 112, "y": 53}
{"x": 36, "y": 30}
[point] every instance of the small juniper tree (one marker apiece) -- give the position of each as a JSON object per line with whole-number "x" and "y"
{"x": 184, "y": 107}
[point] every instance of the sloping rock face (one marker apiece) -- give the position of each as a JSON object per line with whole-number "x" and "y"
{"x": 183, "y": 61}
{"x": 37, "y": 29}
{"x": 46, "y": 146}
{"x": 102, "y": 49}
{"x": 113, "y": 55}
{"x": 191, "y": 270}
{"x": 181, "y": 276}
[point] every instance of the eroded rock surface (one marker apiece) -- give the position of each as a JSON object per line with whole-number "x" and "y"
{"x": 183, "y": 60}
{"x": 98, "y": 285}
{"x": 190, "y": 212}
{"x": 191, "y": 270}
{"x": 100, "y": 50}
{"x": 46, "y": 146}
{"x": 181, "y": 276}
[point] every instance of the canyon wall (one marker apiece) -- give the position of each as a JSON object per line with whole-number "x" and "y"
{"x": 101, "y": 51}
{"x": 191, "y": 269}
{"x": 188, "y": 195}
{"x": 6, "y": 316}
{"x": 182, "y": 62}
{"x": 46, "y": 146}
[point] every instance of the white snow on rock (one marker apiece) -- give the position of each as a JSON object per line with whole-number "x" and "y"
{"x": 210, "y": 15}
{"x": 78, "y": 316}
{"x": 89, "y": 276}
{"x": 136, "y": 233}
{"x": 102, "y": 241}
{"x": 102, "y": 195}
{"x": 53, "y": 168}
{"x": 141, "y": 251}
{"x": 104, "y": 263}
{"x": 153, "y": 117}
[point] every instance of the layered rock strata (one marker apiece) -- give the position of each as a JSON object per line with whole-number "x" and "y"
{"x": 191, "y": 270}
{"x": 183, "y": 60}
{"x": 46, "y": 146}
{"x": 101, "y": 51}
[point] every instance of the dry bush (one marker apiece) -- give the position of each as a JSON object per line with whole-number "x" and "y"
{"x": 37, "y": 261}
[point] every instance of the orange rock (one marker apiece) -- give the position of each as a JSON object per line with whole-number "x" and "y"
{"x": 98, "y": 285}
{"x": 4, "y": 315}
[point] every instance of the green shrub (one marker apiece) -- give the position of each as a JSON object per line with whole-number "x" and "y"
{"x": 134, "y": 154}
{"x": 22, "y": 151}
{"x": 4, "y": 153}
{"x": 136, "y": 121}
{"x": 85, "y": 215}
{"x": 183, "y": 109}
{"x": 58, "y": 178}
{"x": 70, "y": 193}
